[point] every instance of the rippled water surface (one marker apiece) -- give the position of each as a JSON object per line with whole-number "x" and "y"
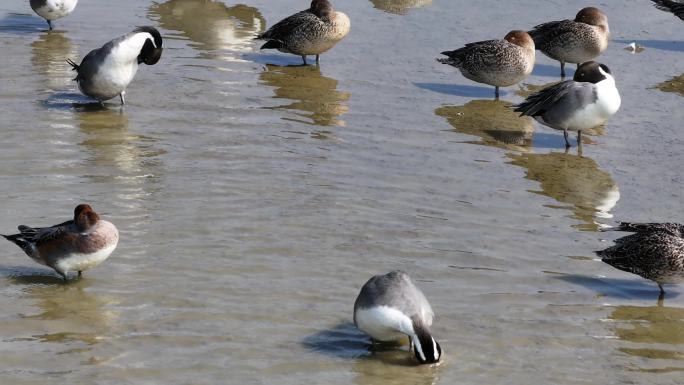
{"x": 254, "y": 197}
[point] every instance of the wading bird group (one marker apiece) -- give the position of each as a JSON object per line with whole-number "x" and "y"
{"x": 389, "y": 307}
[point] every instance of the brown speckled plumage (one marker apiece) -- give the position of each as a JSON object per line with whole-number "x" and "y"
{"x": 310, "y": 32}
{"x": 655, "y": 251}
{"x": 573, "y": 41}
{"x": 499, "y": 63}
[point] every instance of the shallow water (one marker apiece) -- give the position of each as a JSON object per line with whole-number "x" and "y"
{"x": 254, "y": 197}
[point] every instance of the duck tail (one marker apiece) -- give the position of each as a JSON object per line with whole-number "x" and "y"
{"x": 74, "y": 67}
{"x": 19, "y": 240}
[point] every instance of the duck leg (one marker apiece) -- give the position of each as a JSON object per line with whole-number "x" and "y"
{"x": 579, "y": 138}
{"x": 496, "y": 92}
{"x": 567, "y": 142}
{"x": 562, "y": 69}
{"x": 304, "y": 59}
{"x": 50, "y": 24}
{"x": 318, "y": 59}
{"x": 80, "y": 273}
{"x": 123, "y": 99}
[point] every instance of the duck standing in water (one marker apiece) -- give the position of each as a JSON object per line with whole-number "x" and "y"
{"x": 584, "y": 102}
{"x": 390, "y": 307}
{"x": 499, "y": 63}
{"x": 655, "y": 251}
{"x": 573, "y": 41}
{"x": 53, "y": 9}
{"x": 76, "y": 245}
{"x": 105, "y": 72}
{"x": 310, "y": 32}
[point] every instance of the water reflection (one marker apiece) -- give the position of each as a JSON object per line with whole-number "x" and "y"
{"x": 49, "y": 54}
{"x": 110, "y": 142}
{"x": 676, "y": 85}
{"x": 491, "y": 120}
{"x": 399, "y": 7}
{"x": 394, "y": 367}
{"x": 574, "y": 180}
{"x": 316, "y": 98}
{"x": 653, "y": 333}
{"x": 211, "y": 24}
{"x": 65, "y": 312}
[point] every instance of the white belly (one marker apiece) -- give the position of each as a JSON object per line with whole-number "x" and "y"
{"x": 82, "y": 262}
{"x": 55, "y": 9}
{"x": 111, "y": 79}
{"x": 383, "y": 323}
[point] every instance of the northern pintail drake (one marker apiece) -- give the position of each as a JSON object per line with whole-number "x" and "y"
{"x": 573, "y": 41}
{"x": 654, "y": 252}
{"x": 675, "y": 7}
{"x": 76, "y": 245}
{"x": 105, "y": 72}
{"x": 499, "y": 63}
{"x": 390, "y": 307}
{"x": 53, "y": 9}
{"x": 584, "y": 102}
{"x": 310, "y": 32}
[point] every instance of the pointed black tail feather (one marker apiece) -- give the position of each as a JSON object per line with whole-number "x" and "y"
{"x": 74, "y": 66}
{"x": 19, "y": 240}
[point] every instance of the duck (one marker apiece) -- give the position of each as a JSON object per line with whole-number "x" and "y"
{"x": 390, "y": 307}
{"x": 309, "y": 32}
{"x": 499, "y": 63}
{"x": 586, "y": 101}
{"x": 76, "y": 245}
{"x": 573, "y": 41}
{"x": 670, "y": 6}
{"x": 655, "y": 251}
{"x": 105, "y": 72}
{"x": 53, "y": 9}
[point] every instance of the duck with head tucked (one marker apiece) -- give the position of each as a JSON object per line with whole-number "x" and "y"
{"x": 675, "y": 7}
{"x": 75, "y": 245}
{"x": 499, "y": 63}
{"x": 573, "y": 41}
{"x": 310, "y": 32}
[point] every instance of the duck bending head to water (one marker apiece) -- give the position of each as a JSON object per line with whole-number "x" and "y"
{"x": 390, "y": 306}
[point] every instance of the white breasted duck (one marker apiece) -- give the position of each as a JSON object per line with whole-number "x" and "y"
{"x": 390, "y": 307}
{"x": 310, "y": 32}
{"x": 53, "y": 9}
{"x": 654, "y": 252}
{"x": 76, "y": 245}
{"x": 573, "y": 41}
{"x": 585, "y": 102}
{"x": 499, "y": 63}
{"x": 105, "y": 72}
{"x": 670, "y": 6}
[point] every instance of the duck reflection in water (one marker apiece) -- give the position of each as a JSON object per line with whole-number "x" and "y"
{"x": 399, "y": 7}
{"x": 676, "y": 85}
{"x": 110, "y": 143}
{"x": 575, "y": 180}
{"x": 72, "y": 312}
{"x": 315, "y": 97}
{"x": 211, "y": 24}
{"x": 48, "y": 54}
{"x": 652, "y": 335}
{"x": 492, "y": 121}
